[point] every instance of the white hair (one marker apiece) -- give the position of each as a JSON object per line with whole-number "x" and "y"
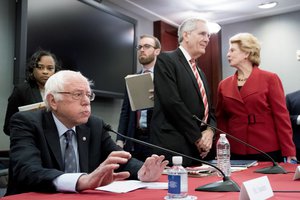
{"x": 57, "y": 83}
{"x": 188, "y": 25}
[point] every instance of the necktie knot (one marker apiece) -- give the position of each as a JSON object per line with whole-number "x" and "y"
{"x": 68, "y": 135}
{"x": 146, "y": 71}
{"x": 193, "y": 61}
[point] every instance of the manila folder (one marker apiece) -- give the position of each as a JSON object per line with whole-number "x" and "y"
{"x": 138, "y": 86}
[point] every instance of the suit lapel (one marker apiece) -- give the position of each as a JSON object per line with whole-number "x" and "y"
{"x": 249, "y": 88}
{"x": 51, "y": 135}
{"x": 187, "y": 67}
{"x": 83, "y": 137}
{"x": 253, "y": 86}
{"x": 36, "y": 94}
{"x": 231, "y": 89}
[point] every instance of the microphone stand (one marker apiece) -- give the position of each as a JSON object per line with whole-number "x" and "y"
{"x": 275, "y": 169}
{"x": 227, "y": 185}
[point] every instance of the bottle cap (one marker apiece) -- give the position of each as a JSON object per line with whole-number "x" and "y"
{"x": 222, "y": 135}
{"x": 177, "y": 160}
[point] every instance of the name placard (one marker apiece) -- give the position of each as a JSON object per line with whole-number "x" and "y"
{"x": 258, "y": 188}
{"x": 297, "y": 173}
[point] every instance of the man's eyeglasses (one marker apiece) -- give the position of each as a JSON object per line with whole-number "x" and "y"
{"x": 145, "y": 46}
{"x": 78, "y": 95}
{"x": 42, "y": 67}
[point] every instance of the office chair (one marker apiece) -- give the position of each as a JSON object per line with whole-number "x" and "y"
{"x": 4, "y": 162}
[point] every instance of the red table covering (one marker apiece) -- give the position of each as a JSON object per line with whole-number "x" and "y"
{"x": 279, "y": 182}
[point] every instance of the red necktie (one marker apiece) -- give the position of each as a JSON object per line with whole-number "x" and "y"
{"x": 201, "y": 87}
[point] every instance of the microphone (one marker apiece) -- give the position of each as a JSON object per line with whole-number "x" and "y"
{"x": 275, "y": 169}
{"x": 227, "y": 185}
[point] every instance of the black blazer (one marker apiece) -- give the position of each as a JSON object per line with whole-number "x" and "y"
{"x": 293, "y": 105}
{"x": 35, "y": 152}
{"x": 23, "y": 94}
{"x": 177, "y": 98}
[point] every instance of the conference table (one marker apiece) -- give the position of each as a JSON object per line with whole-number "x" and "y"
{"x": 281, "y": 184}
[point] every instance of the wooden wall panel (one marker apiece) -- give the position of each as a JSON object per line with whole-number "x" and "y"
{"x": 211, "y": 64}
{"x": 166, "y": 34}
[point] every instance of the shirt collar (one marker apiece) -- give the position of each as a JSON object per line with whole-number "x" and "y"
{"x": 185, "y": 53}
{"x": 151, "y": 69}
{"x": 60, "y": 126}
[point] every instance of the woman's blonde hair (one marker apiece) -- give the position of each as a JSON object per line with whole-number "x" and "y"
{"x": 248, "y": 43}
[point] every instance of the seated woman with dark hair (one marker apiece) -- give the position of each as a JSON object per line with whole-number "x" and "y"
{"x": 40, "y": 67}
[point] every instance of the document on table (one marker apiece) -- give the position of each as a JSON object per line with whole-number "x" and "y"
{"x": 239, "y": 163}
{"x": 130, "y": 185}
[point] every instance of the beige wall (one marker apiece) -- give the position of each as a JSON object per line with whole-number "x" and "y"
{"x": 279, "y": 37}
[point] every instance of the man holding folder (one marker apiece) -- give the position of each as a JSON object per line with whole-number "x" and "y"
{"x": 136, "y": 124}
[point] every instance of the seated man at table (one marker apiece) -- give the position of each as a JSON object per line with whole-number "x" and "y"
{"x": 40, "y": 145}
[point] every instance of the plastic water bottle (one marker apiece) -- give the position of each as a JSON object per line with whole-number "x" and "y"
{"x": 223, "y": 155}
{"x": 177, "y": 180}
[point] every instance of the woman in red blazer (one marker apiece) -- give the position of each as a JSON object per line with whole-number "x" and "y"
{"x": 251, "y": 105}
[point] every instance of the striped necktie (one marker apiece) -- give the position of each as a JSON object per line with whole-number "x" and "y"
{"x": 202, "y": 89}
{"x": 70, "y": 158}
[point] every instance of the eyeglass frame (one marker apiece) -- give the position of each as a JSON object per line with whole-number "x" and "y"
{"x": 78, "y": 95}
{"x": 145, "y": 46}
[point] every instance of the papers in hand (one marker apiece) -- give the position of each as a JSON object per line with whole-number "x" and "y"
{"x": 130, "y": 185}
{"x": 138, "y": 86}
{"x": 34, "y": 106}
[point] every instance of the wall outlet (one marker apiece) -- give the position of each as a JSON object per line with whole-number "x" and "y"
{"x": 298, "y": 55}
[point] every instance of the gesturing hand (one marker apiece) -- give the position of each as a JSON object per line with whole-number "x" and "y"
{"x": 152, "y": 168}
{"x": 104, "y": 174}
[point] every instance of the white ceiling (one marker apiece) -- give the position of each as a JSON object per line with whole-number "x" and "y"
{"x": 219, "y": 11}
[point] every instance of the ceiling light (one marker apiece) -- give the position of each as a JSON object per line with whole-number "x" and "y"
{"x": 213, "y": 27}
{"x": 268, "y": 5}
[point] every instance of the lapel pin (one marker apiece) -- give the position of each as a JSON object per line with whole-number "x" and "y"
{"x": 84, "y": 138}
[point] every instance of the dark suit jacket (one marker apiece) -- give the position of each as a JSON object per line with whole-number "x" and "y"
{"x": 293, "y": 105}
{"x": 256, "y": 114}
{"x": 23, "y": 94}
{"x": 177, "y": 98}
{"x": 35, "y": 154}
{"x": 128, "y": 122}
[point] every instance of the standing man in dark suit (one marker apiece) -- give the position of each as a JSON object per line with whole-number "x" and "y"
{"x": 136, "y": 124}
{"x": 293, "y": 105}
{"x": 177, "y": 96}
{"x": 41, "y": 66}
{"x": 40, "y": 144}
